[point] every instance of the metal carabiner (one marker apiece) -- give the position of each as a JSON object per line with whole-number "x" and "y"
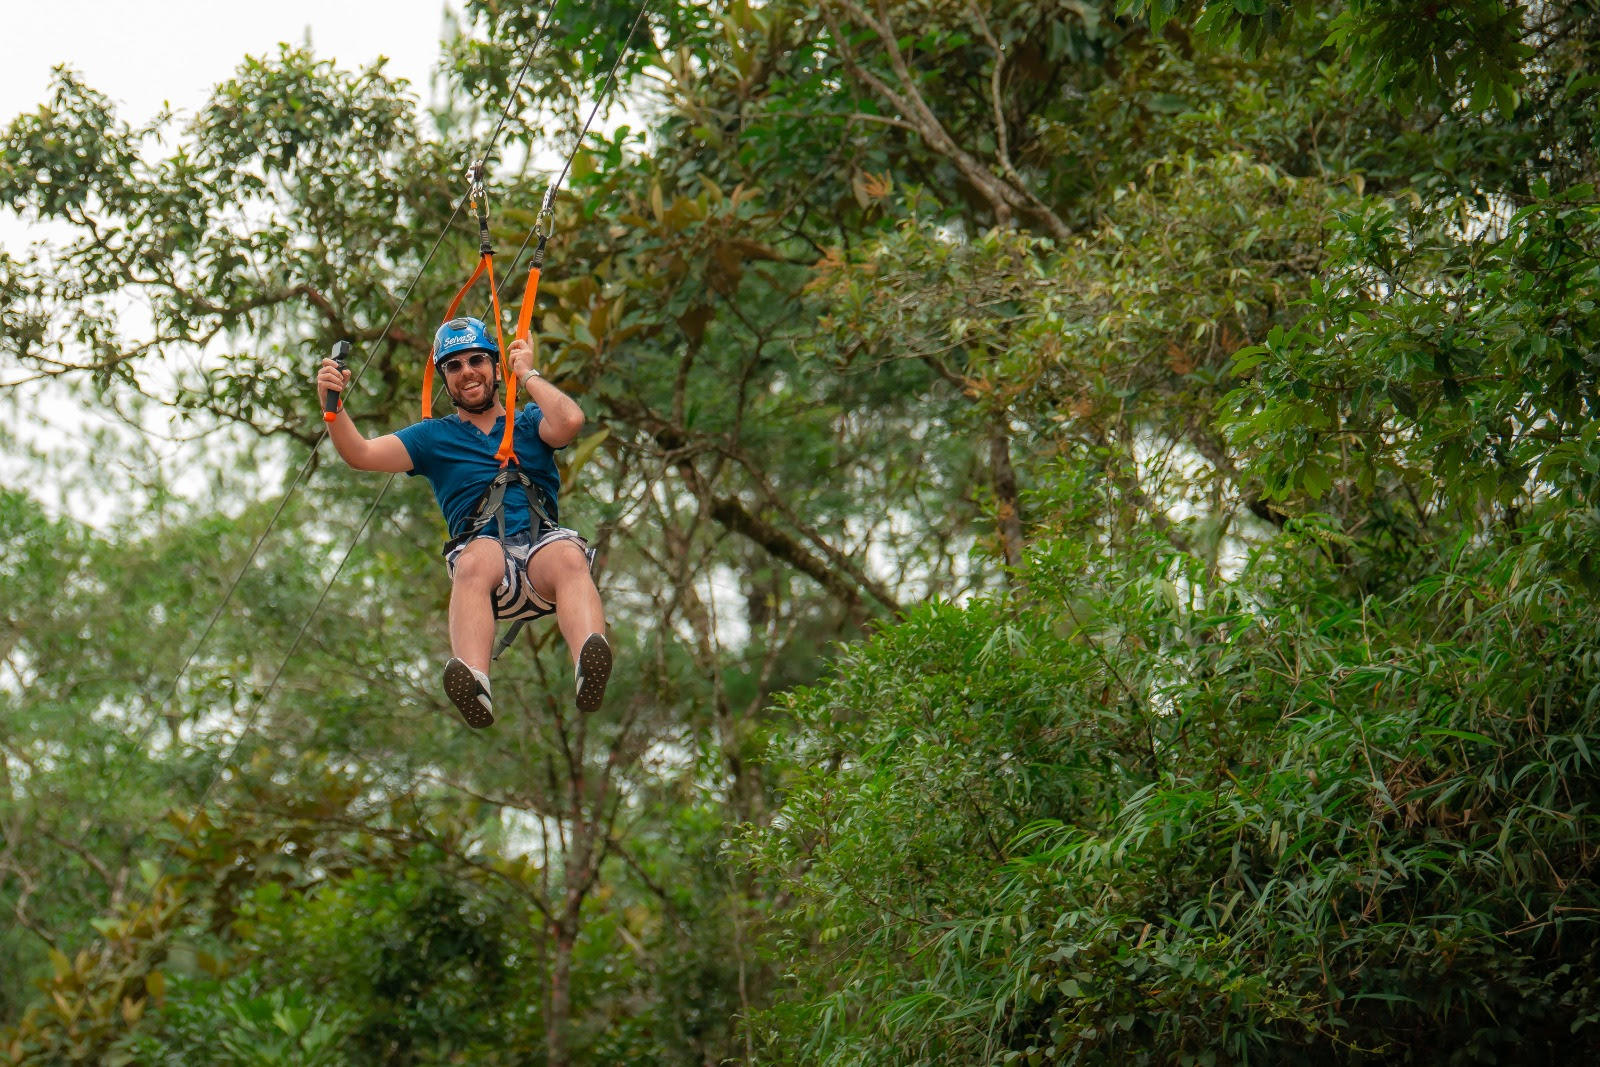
{"x": 478, "y": 197}
{"x": 544, "y": 226}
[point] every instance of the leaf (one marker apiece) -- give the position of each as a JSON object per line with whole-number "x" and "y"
{"x": 1248, "y": 357}
{"x": 584, "y": 450}
{"x": 1315, "y": 479}
{"x": 694, "y": 321}
{"x": 1464, "y": 735}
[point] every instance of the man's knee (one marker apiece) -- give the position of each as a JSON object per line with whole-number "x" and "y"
{"x": 481, "y": 566}
{"x": 555, "y": 565}
{"x": 567, "y": 559}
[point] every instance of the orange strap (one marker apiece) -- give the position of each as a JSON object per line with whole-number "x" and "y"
{"x": 525, "y": 316}
{"x": 485, "y": 263}
{"x": 524, "y": 320}
{"x": 507, "y": 452}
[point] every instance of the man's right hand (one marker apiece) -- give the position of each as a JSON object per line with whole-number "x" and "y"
{"x": 386, "y": 453}
{"x": 330, "y": 377}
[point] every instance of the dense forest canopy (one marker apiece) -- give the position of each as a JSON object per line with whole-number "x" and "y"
{"x": 1096, "y": 502}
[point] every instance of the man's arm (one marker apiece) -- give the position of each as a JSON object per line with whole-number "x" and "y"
{"x": 386, "y": 453}
{"x": 563, "y": 418}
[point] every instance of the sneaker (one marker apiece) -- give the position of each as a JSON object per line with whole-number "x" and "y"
{"x": 468, "y": 690}
{"x": 594, "y": 670}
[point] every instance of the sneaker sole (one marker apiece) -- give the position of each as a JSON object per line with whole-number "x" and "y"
{"x": 462, "y": 689}
{"x": 594, "y": 663}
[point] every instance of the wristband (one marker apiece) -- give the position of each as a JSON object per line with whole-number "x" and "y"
{"x": 525, "y": 376}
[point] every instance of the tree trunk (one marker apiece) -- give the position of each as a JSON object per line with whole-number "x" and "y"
{"x": 1008, "y": 509}
{"x": 560, "y": 1006}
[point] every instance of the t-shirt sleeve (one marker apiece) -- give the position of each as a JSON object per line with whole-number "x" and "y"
{"x": 529, "y": 416}
{"x": 418, "y": 439}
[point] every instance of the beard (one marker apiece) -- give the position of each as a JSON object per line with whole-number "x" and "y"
{"x": 491, "y": 392}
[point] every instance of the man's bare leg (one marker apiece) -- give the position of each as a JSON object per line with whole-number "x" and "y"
{"x": 479, "y": 570}
{"x": 560, "y": 575}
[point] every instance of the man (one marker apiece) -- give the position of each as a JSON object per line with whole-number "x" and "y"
{"x": 541, "y": 568}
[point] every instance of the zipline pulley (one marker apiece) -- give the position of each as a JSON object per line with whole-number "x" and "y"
{"x": 544, "y": 226}
{"x": 478, "y": 196}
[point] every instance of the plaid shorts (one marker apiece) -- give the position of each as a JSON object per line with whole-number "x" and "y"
{"x": 514, "y": 597}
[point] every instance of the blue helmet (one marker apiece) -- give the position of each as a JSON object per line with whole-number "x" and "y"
{"x": 462, "y": 335}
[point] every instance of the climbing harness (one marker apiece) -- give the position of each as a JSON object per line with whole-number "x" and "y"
{"x": 490, "y": 507}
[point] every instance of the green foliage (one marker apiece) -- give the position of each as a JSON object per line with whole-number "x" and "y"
{"x": 1193, "y": 401}
{"x": 1414, "y": 53}
{"x": 94, "y": 997}
{"x": 382, "y": 965}
{"x": 1328, "y": 801}
{"x": 1457, "y": 365}
{"x": 1154, "y": 818}
{"x": 206, "y": 1021}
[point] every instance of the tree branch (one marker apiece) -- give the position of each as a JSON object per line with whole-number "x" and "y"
{"x": 1004, "y": 198}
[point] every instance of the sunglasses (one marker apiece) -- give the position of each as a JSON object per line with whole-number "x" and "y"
{"x": 454, "y": 364}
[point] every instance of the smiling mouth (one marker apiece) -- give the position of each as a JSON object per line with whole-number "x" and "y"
{"x": 476, "y": 396}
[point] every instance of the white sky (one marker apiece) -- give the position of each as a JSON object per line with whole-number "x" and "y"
{"x": 144, "y": 52}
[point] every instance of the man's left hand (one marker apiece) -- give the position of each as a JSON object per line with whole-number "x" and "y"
{"x": 521, "y": 358}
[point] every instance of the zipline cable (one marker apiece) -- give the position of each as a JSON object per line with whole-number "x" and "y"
{"x": 300, "y": 476}
{"x": 255, "y": 549}
{"x": 261, "y": 699}
{"x": 555, "y": 186}
{"x": 387, "y": 483}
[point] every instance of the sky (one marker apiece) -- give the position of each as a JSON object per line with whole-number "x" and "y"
{"x": 143, "y": 53}
{"x": 146, "y": 54}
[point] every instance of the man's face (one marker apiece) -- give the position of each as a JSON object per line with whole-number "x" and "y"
{"x": 470, "y": 379}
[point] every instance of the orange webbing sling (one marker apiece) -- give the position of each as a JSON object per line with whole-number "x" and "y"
{"x": 427, "y": 371}
{"x": 506, "y": 453}
{"x": 530, "y": 294}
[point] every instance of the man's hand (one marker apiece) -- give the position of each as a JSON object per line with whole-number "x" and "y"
{"x": 521, "y": 353}
{"x": 329, "y": 376}
{"x": 562, "y": 418}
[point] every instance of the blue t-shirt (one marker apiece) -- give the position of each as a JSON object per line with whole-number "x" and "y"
{"x": 458, "y": 460}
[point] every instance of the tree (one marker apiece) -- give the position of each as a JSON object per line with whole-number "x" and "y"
{"x": 1196, "y": 436}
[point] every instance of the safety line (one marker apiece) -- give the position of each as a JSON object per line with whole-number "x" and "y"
{"x": 261, "y": 700}
{"x": 555, "y": 186}
{"x": 283, "y": 503}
